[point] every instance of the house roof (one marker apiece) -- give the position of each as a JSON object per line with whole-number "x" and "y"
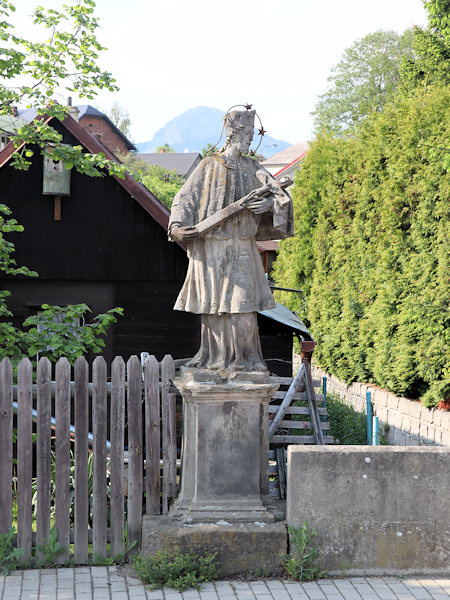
{"x": 84, "y": 110}
{"x": 10, "y": 124}
{"x": 181, "y": 162}
{"x": 286, "y": 157}
{"x": 27, "y": 114}
{"x": 136, "y": 190}
{"x": 268, "y": 246}
{"x": 87, "y": 109}
{"x": 286, "y": 170}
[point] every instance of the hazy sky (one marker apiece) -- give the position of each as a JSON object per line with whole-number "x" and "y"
{"x": 172, "y": 55}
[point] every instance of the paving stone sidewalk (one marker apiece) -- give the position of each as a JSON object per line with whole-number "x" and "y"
{"x": 112, "y": 583}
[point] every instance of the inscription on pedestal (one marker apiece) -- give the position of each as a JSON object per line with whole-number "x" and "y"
{"x": 228, "y": 450}
{"x": 225, "y": 445}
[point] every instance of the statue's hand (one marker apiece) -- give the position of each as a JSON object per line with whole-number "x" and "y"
{"x": 184, "y": 234}
{"x": 260, "y": 205}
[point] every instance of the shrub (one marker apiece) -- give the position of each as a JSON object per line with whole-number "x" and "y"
{"x": 371, "y": 251}
{"x": 175, "y": 569}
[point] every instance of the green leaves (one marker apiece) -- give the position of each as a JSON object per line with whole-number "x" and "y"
{"x": 50, "y": 549}
{"x": 347, "y": 426}
{"x": 174, "y": 569}
{"x": 9, "y": 555}
{"x": 31, "y": 72}
{"x": 431, "y": 61}
{"x": 365, "y": 78}
{"x": 62, "y": 331}
{"x": 300, "y": 564}
{"x": 164, "y": 184}
{"x": 371, "y": 248}
{"x": 7, "y": 263}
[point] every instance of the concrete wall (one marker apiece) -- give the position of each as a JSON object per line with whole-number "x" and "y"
{"x": 376, "y": 509}
{"x": 410, "y": 423}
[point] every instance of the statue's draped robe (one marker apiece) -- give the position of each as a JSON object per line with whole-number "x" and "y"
{"x": 225, "y": 274}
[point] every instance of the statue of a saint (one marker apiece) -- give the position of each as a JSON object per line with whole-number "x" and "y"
{"x": 225, "y": 282}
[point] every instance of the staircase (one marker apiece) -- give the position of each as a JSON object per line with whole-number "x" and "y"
{"x": 297, "y": 415}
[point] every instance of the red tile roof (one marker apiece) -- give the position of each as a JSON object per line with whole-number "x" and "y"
{"x": 268, "y": 246}
{"x": 289, "y": 166}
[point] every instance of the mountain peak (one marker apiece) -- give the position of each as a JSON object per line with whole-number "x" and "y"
{"x": 193, "y": 129}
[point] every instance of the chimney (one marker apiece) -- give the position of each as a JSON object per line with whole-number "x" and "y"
{"x": 73, "y": 110}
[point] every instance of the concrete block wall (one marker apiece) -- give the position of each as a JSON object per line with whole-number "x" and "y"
{"x": 409, "y": 422}
{"x": 377, "y": 510}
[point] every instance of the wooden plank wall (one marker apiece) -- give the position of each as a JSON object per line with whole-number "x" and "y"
{"x": 84, "y": 244}
{"x": 76, "y": 503}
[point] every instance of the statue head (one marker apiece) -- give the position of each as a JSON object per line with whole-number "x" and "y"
{"x": 239, "y": 125}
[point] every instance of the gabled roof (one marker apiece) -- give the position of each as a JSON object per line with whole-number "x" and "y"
{"x": 10, "y": 124}
{"x": 139, "y": 192}
{"x": 286, "y": 170}
{"x": 87, "y": 109}
{"x": 181, "y": 162}
{"x": 84, "y": 110}
{"x": 28, "y": 114}
{"x": 285, "y": 157}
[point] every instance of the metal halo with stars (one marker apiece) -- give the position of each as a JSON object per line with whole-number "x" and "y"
{"x": 261, "y": 130}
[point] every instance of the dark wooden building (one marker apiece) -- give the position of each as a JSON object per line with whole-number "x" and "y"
{"x": 106, "y": 244}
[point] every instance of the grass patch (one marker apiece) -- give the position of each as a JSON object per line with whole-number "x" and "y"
{"x": 348, "y": 426}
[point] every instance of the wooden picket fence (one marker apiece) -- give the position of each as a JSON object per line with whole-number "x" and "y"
{"x": 42, "y": 446}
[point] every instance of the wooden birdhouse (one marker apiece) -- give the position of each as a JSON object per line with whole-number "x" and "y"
{"x": 56, "y": 181}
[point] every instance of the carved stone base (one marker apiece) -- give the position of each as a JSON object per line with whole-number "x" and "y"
{"x": 193, "y": 375}
{"x": 225, "y": 448}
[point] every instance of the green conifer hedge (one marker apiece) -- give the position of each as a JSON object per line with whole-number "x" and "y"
{"x": 371, "y": 248}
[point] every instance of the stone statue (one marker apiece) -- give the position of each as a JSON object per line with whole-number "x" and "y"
{"x": 225, "y": 282}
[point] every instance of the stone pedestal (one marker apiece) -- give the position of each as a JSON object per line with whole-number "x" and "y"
{"x": 223, "y": 505}
{"x": 225, "y": 448}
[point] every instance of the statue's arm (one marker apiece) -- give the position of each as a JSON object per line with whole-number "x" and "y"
{"x": 181, "y": 223}
{"x": 183, "y": 214}
{"x": 183, "y": 234}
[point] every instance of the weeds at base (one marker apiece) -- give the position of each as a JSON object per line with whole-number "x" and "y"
{"x": 177, "y": 570}
{"x": 300, "y": 564}
{"x": 45, "y": 555}
{"x": 9, "y": 555}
